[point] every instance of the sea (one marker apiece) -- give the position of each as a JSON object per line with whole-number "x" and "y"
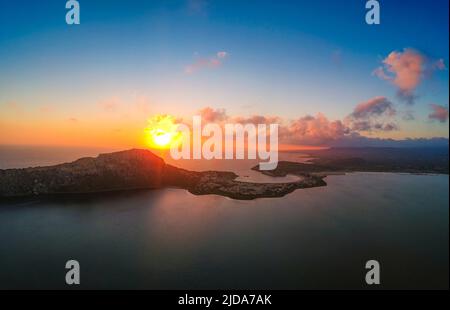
{"x": 317, "y": 238}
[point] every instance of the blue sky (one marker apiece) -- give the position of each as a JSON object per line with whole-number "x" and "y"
{"x": 285, "y": 58}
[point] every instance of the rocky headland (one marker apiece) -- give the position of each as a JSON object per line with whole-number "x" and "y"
{"x": 137, "y": 169}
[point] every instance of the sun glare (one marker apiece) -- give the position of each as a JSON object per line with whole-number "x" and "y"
{"x": 161, "y": 131}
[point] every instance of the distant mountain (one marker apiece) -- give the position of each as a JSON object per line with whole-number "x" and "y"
{"x": 361, "y": 141}
{"x": 385, "y": 159}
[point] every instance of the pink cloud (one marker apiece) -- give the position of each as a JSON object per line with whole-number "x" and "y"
{"x": 390, "y": 127}
{"x": 257, "y": 119}
{"x": 375, "y": 114}
{"x": 406, "y": 70}
{"x": 207, "y": 63}
{"x": 309, "y": 130}
{"x": 439, "y": 113}
{"x": 222, "y": 55}
{"x": 313, "y": 130}
{"x": 375, "y": 106}
{"x": 379, "y": 72}
{"x": 210, "y": 115}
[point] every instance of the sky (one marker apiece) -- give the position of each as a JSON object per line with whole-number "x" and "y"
{"x": 314, "y": 66}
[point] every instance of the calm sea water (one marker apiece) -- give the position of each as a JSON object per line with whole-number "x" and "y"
{"x": 171, "y": 239}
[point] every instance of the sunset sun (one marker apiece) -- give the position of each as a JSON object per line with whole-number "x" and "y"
{"x": 162, "y": 138}
{"x": 161, "y": 131}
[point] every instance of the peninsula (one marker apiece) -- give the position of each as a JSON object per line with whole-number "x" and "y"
{"x": 141, "y": 169}
{"x": 136, "y": 169}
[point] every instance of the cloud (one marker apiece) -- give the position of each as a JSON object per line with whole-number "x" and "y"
{"x": 309, "y": 130}
{"x": 406, "y": 70}
{"x": 207, "y": 63}
{"x": 369, "y": 126}
{"x": 375, "y": 106}
{"x": 408, "y": 115}
{"x": 379, "y": 72}
{"x": 222, "y": 55}
{"x": 256, "y": 119}
{"x": 389, "y": 127}
{"x": 313, "y": 130}
{"x": 439, "y": 113}
{"x": 210, "y": 115}
{"x": 439, "y": 65}
{"x": 375, "y": 114}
